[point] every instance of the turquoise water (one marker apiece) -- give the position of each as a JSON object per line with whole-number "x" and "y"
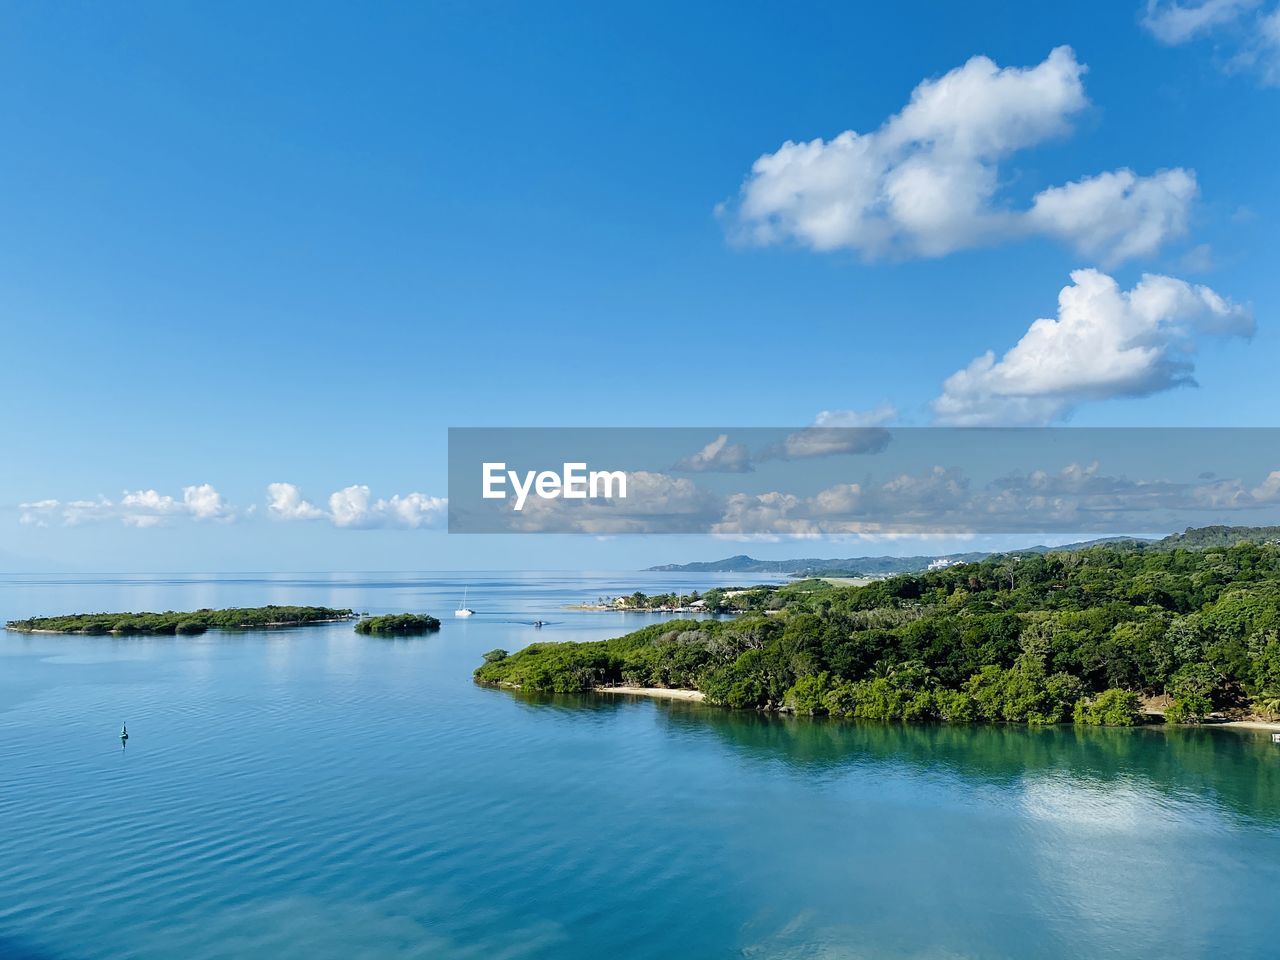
{"x": 313, "y": 793}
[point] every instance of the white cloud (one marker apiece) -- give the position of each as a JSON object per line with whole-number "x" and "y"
{"x": 875, "y": 417}
{"x": 943, "y": 501}
{"x": 414, "y": 509}
{"x": 1174, "y": 23}
{"x": 349, "y": 507}
{"x": 835, "y": 433}
{"x": 655, "y": 503}
{"x": 354, "y": 507}
{"x": 1104, "y": 343}
{"x": 1116, "y": 215}
{"x": 284, "y": 502}
{"x": 926, "y": 182}
{"x": 1247, "y": 31}
{"x": 136, "y": 508}
{"x": 1269, "y": 490}
{"x": 203, "y": 502}
{"x": 718, "y": 456}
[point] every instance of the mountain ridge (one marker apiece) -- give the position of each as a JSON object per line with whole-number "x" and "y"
{"x": 1193, "y": 538}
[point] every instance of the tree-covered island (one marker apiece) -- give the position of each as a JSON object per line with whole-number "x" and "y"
{"x": 174, "y": 623}
{"x": 398, "y": 624}
{"x": 1085, "y": 636}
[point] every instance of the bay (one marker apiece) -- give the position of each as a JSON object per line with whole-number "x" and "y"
{"x": 314, "y": 793}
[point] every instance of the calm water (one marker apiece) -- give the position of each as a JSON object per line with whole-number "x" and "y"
{"x": 312, "y": 793}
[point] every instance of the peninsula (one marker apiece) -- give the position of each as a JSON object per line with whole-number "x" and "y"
{"x": 1104, "y": 635}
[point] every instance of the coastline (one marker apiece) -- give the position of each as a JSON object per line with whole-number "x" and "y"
{"x": 658, "y": 693}
{"x": 1268, "y": 725}
{"x": 696, "y": 696}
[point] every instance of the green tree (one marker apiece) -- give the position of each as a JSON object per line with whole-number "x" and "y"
{"x": 1113, "y": 707}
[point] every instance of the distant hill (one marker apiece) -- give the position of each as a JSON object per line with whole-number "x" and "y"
{"x": 1198, "y": 538}
{"x": 859, "y": 566}
{"x": 1193, "y": 538}
{"x": 808, "y": 566}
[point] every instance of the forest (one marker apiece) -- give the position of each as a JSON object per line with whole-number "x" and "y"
{"x": 1093, "y": 636}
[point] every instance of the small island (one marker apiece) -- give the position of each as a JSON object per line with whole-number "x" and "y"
{"x": 398, "y": 624}
{"x": 172, "y": 623}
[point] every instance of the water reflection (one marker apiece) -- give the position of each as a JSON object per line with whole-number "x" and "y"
{"x": 1238, "y": 770}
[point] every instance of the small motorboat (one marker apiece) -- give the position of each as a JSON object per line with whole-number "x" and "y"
{"x": 124, "y": 733}
{"x": 538, "y": 624}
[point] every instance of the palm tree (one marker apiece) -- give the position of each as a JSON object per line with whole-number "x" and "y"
{"x": 1268, "y": 703}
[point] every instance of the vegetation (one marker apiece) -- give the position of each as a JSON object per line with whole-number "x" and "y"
{"x": 171, "y": 623}
{"x": 656, "y": 601}
{"x": 403, "y": 624}
{"x": 1200, "y": 538}
{"x": 1029, "y": 638}
{"x": 715, "y": 600}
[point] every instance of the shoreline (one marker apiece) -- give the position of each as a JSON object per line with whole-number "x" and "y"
{"x": 1271, "y": 726}
{"x": 696, "y": 696}
{"x": 609, "y": 608}
{"x": 657, "y": 693}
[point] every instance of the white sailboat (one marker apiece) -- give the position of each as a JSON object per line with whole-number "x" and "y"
{"x": 464, "y": 610}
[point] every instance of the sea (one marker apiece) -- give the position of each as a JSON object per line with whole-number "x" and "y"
{"x": 313, "y": 793}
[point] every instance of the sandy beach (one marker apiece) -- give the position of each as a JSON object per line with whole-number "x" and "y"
{"x": 660, "y": 693}
{"x": 1273, "y": 726}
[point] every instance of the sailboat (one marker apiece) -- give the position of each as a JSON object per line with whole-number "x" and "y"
{"x": 464, "y": 610}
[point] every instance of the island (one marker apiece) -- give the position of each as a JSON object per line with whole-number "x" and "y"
{"x": 398, "y": 624}
{"x": 1116, "y": 635}
{"x": 189, "y": 623}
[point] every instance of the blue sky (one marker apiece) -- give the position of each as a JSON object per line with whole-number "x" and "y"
{"x": 246, "y": 245}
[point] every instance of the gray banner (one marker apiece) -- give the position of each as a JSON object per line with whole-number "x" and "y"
{"x": 860, "y": 480}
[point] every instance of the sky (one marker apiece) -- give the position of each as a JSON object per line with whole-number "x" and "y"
{"x": 257, "y": 256}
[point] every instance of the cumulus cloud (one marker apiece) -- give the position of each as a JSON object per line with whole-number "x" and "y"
{"x": 135, "y": 508}
{"x": 718, "y": 456}
{"x": 938, "y": 500}
{"x": 836, "y": 433}
{"x": 203, "y": 502}
{"x": 284, "y": 502}
{"x": 875, "y": 417}
{"x": 819, "y": 441}
{"x": 655, "y": 503}
{"x": 941, "y": 501}
{"x": 1173, "y": 22}
{"x": 938, "y": 497}
{"x": 355, "y": 507}
{"x": 833, "y": 432}
{"x": 926, "y": 183}
{"x": 1104, "y": 343}
{"x": 1116, "y": 216}
{"x": 1246, "y": 31}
